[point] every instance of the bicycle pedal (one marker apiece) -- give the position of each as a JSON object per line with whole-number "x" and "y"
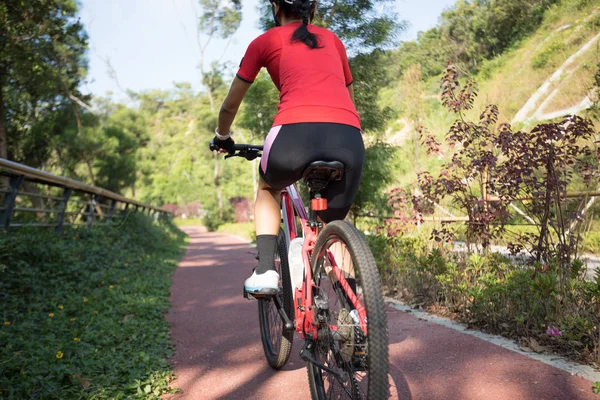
{"x": 263, "y": 294}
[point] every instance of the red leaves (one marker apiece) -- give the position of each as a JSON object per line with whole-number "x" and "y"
{"x": 404, "y": 218}
{"x": 455, "y": 98}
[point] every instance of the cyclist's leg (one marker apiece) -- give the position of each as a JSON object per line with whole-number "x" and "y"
{"x": 275, "y": 174}
{"x": 267, "y": 220}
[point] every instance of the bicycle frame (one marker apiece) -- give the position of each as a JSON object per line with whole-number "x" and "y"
{"x": 303, "y": 297}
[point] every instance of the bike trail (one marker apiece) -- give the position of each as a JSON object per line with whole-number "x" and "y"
{"x": 219, "y": 353}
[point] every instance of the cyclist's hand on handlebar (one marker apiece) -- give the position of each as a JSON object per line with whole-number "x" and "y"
{"x": 222, "y": 146}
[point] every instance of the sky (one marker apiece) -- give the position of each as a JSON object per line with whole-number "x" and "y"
{"x": 151, "y": 44}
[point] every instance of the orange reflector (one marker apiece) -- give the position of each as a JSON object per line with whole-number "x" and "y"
{"x": 318, "y": 204}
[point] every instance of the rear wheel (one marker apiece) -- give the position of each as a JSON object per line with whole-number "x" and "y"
{"x": 343, "y": 343}
{"x": 276, "y": 341}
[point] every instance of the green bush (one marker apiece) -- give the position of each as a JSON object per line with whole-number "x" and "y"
{"x": 213, "y": 219}
{"x": 591, "y": 242}
{"x": 491, "y": 292}
{"x": 541, "y": 59}
{"x": 83, "y": 313}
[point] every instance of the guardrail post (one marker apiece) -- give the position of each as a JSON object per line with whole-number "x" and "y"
{"x": 9, "y": 201}
{"x": 111, "y": 211}
{"x": 125, "y": 211}
{"x": 90, "y": 220}
{"x": 62, "y": 208}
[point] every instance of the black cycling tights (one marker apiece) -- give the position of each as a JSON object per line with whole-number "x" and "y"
{"x": 289, "y": 149}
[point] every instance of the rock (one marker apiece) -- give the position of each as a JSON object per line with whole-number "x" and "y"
{"x": 536, "y": 346}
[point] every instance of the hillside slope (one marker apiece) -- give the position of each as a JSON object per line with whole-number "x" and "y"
{"x": 544, "y": 76}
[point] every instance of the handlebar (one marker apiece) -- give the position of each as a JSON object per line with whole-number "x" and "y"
{"x": 248, "y": 151}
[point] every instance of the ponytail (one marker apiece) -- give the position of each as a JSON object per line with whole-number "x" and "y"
{"x": 302, "y": 34}
{"x": 301, "y": 9}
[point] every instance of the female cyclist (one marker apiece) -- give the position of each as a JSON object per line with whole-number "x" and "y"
{"x": 316, "y": 120}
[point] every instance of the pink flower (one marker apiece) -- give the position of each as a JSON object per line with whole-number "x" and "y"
{"x": 553, "y": 331}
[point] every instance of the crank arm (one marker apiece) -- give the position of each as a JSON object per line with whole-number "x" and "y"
{"x": 306, "y": 355}
{"x": 288, "y": 325}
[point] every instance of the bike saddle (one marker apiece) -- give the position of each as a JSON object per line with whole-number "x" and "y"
{"x": 319, "y": 173}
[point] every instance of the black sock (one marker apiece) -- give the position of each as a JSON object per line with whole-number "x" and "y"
{"x": 266, "y": 245}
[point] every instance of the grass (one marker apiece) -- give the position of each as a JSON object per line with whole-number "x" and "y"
{"x": 188, "y": 222}
{"x": 82, "y": 315}
{"x": 245, "y": 230}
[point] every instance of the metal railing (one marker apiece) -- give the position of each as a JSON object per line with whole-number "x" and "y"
{"x": 31, "y": 197}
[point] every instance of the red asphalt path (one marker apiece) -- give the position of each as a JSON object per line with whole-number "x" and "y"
{"x": 219, "y": 354}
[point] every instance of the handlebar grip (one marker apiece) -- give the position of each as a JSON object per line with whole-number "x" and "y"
{"x": 212, "y": 145}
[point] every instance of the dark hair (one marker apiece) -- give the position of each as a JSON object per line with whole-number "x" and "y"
{"x": 301, "y": 9}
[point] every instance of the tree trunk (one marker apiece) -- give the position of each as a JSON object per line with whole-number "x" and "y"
{"x": 3, "y": 144}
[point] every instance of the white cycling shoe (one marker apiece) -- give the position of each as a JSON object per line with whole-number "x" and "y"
{"x": 262, "y": 285}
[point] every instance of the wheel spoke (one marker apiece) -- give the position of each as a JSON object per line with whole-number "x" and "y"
{"x": 277, "y": 343}
{"x": 340, "y": 322}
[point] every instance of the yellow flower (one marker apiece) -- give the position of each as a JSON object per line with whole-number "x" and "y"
{"x": 124, "y": 278}
{"x": 102, "y": 283}
{"x": 59, "y": 354}
{"x": 95, "y": 312}
{"x": 126, "y": 264}
{"x": 72, "y": 320}
{"x": 118, "y": 281}
{"x": 51, "y": 315}
{"x": 6, "y": 322}
{"x": 110, "y": 287}
{"x": 61, "y": 307}
{"x": 94, "y": 297}
{"x": 85, "y": 299}
{"x": 77, "y": 339}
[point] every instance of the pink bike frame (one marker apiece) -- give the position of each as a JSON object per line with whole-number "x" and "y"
{"x": 303, "y": 301}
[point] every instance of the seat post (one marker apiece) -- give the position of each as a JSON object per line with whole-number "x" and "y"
{"x": 315, "y": 199}
{"x": 317, "y": 175}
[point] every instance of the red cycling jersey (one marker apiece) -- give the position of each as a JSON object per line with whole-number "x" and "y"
{"x": 312, "y": 82}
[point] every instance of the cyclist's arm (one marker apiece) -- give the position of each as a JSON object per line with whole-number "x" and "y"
{"x": 250, "y": 65}
{"x": 231, "y": 104}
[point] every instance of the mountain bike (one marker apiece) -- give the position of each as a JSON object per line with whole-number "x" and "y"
{"x": 338, "y": 308}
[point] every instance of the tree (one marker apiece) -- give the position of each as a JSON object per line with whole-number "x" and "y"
{"x": 259, "y": 106}
{"x": 42, "y": 61}
{"x": 216, "y": 20}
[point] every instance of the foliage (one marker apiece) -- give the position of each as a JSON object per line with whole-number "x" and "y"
{"x": 259, "y": 107}
{"x": 493, "y": 293}
{"x": 371, "y": 199}
{"x": 469, "y": 178}
{"x": 83, "y": 314}
{"x": 596, "y": 387}
{"x": 534, "y": 168}
{"x": 42, "y": 63}
{"x": 471, "y": 32}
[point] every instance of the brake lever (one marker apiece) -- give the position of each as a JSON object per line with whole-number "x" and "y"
{"x": 252, "y": 155}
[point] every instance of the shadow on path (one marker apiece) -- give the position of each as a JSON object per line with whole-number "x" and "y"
{"x": 219, "y": 354}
